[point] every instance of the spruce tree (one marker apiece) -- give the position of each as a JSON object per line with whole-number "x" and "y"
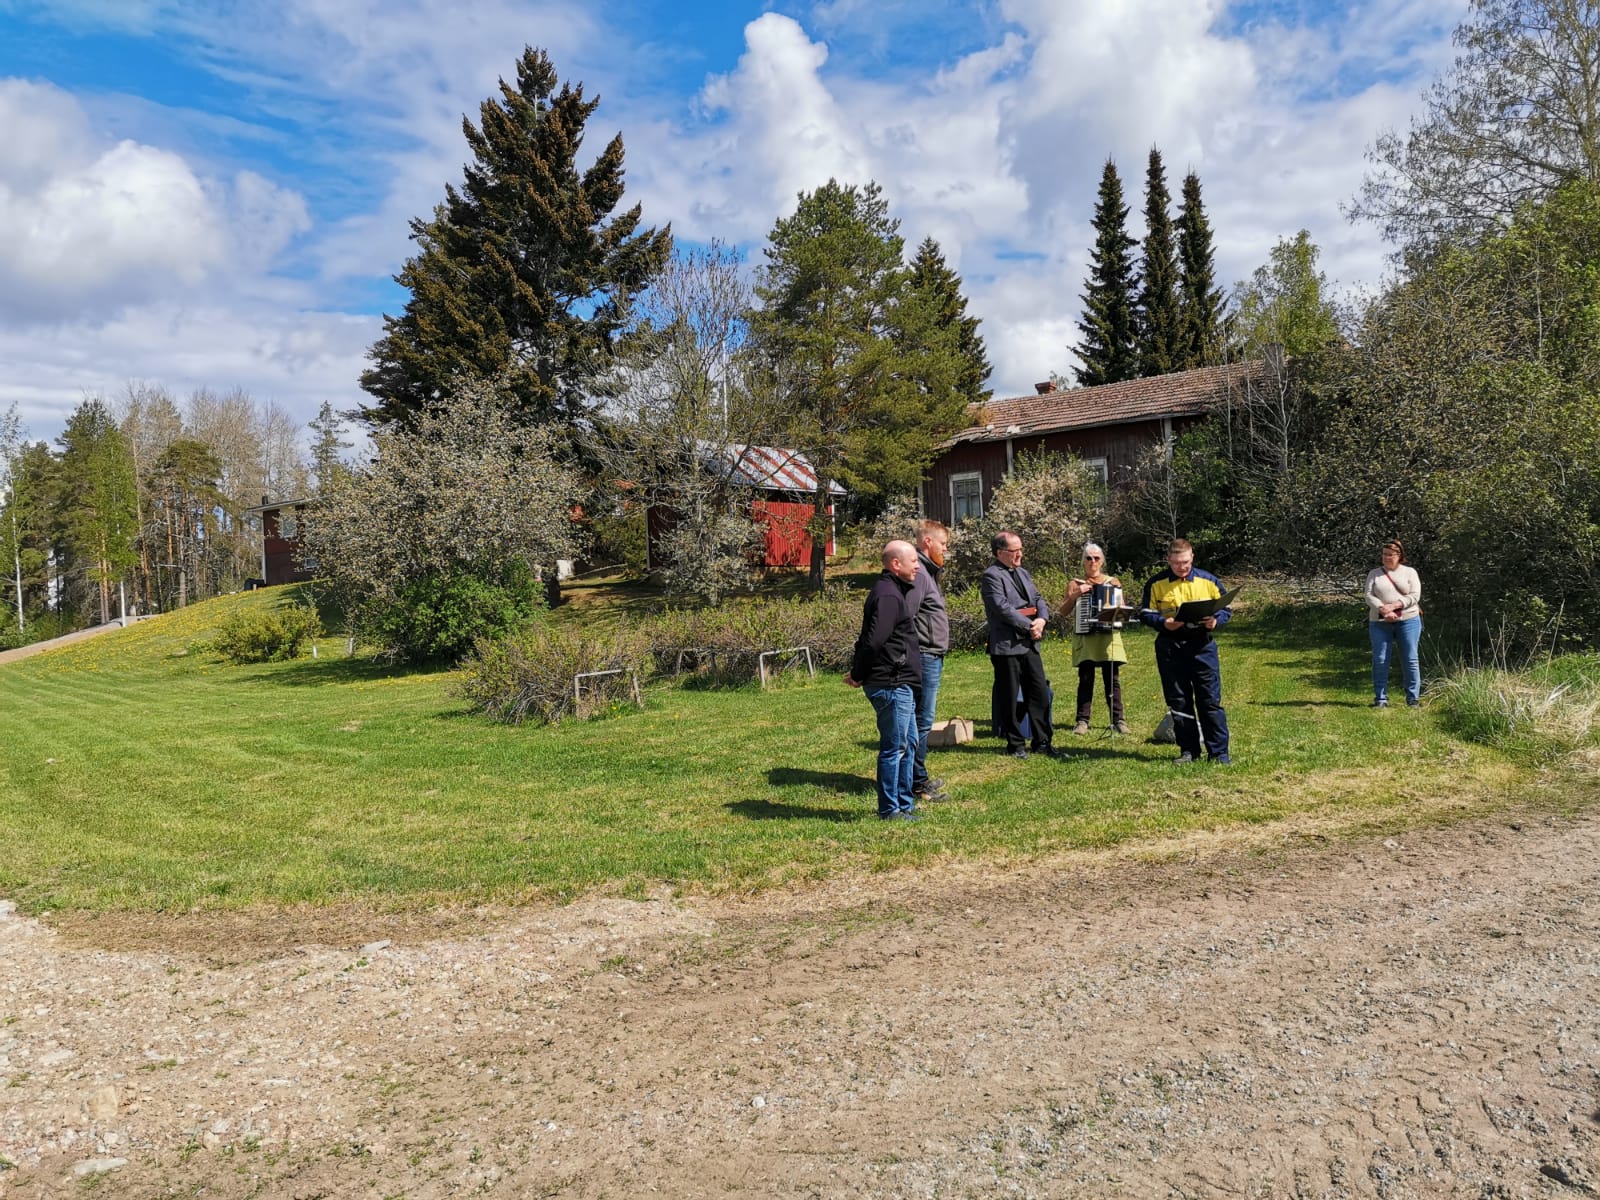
{"x": 932, "y": 278}
{"x": 1108, "y": 351}
{"x": 1160, "y": 324}
{"x": 328, "y": 445}
{"x": 523, "y": 272}
{"x": 1199, "y": 300}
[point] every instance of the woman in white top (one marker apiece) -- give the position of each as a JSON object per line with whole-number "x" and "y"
{"x": 1394, "y": 619}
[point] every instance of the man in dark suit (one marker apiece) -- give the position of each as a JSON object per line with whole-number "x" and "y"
{"x": 1017, "y": 614}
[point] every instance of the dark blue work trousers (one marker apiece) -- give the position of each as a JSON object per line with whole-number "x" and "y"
{"x": 1191, "y": 681}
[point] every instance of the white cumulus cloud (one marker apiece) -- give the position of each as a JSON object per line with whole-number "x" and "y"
{"x": 98, "y": 226}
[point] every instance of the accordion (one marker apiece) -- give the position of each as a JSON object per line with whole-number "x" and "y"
{"x": 1100, "y": 610}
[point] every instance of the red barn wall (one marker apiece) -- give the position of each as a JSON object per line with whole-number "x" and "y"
{"x": 787, "y": 542}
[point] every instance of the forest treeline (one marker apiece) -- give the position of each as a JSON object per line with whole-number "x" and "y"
{"x": 142, "y": 503}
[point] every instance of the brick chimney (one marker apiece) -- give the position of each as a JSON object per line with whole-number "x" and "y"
{"x": 1045, "y": 388}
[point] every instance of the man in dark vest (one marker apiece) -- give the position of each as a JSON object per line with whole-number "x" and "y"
{"x": 1017, "y": 614}
{"x": 887, "y": 666}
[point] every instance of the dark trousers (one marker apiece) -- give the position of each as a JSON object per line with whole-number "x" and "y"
{"x": 1112, "y": 674}
{"x": 1024, "y": 671}
{"x": 1191, "y": 681}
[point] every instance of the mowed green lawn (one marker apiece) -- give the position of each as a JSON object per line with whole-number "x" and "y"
{"x": 137, "y": 777}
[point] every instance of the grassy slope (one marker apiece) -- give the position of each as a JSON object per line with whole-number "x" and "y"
{"x": 136, "y": 776}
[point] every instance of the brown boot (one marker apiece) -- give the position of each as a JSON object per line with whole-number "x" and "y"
{"x": 1081, "y": 728}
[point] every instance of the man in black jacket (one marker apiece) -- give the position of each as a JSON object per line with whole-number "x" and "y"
{"x": 1017, "y": 614}
{"x": 887, "y": 666}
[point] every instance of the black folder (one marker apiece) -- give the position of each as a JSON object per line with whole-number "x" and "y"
{"x": 1192, "y": 612}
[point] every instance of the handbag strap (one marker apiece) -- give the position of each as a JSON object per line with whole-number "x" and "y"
{"x": 1398, "y": 590}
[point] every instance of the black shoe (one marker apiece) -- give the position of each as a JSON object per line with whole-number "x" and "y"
{"x": 1057, "y": 755}
{"x": 1380, "y": 702}
{"x": 1185, "y": 757}
{"x": 1019, "y": 752}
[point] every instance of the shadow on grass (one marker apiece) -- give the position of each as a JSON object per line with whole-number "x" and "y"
{"x": 321, "y": 672}
{"x": 833, "y": 781}
{"x": 1309, "y": 703}
{"x": 1313, "y": 627}
{"x": 1333, "y": 675}
{"x": 773, "y": 810}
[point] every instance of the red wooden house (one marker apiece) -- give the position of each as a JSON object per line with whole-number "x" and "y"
{"x": 783, "y": 497}
{"x": 280, "y": 541}
{"x": 1109, "y": 426}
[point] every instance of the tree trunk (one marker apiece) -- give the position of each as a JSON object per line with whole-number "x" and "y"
{"x": 16, "y": 565}
{"x": 820, "y": 525}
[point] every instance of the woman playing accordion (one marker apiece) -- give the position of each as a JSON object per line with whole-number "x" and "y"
{"x": 1097, "y": 605}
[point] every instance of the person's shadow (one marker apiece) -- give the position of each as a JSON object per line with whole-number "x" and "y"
{"x": 774, "y": 810}
{"x": 832, "y": 781}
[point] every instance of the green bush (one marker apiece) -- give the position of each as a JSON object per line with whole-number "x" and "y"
{"x": 528, "y": 676}
{"x": 441, "y": 615}
{"x": 267, "y": 635}
{"x": 40, "y": 628}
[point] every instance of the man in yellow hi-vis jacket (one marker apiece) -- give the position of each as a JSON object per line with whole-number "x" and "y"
{"x": 1186, "y": 655}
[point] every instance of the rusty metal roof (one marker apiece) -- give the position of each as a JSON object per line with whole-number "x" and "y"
{"x": 774, "y": 469}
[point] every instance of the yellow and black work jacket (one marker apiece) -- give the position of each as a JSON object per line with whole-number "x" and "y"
{"x": 1164, "y": 593}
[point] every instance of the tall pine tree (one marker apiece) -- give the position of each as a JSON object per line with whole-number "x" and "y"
{"x": 1160, "y": 324}
{"x": 1199, "y": 299}
{"x": 1109, "y": 350}
{"x": 932, "y": 278}
{"x": 523, "y": 272}
{"x": 856, "y": 361}
{"x": 97, "y": 503}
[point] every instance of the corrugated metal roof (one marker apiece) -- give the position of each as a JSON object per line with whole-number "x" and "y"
{"x": 1181, "y": 393}
{"x": 774, "y": 469}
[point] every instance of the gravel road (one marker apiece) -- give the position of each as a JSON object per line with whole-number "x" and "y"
{"x": 1410, "y": 1016}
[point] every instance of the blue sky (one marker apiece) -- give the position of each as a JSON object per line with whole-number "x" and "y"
{"x": 216, "y": 194}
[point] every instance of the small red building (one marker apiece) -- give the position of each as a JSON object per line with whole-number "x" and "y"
{"x": 1109, "y": 427}
{"x": 280, "y": 541}
{"x": 783, "y": 497}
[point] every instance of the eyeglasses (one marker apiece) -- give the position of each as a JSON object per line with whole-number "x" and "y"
{"x": 1091, "y": 558}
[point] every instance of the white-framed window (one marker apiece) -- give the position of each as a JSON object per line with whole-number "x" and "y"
{"x": 1098, "y": 466}
{"x": 966, "y": 496}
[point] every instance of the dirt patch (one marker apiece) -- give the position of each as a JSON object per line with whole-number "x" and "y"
{"x": 235, "y": 936}
{"x": 1412, "y": 1014}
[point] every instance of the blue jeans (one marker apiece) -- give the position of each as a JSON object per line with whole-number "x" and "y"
{"x": 925, "y": 697}
{"x": 1388, "y": 637}
{"x": 897, "y": 747}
